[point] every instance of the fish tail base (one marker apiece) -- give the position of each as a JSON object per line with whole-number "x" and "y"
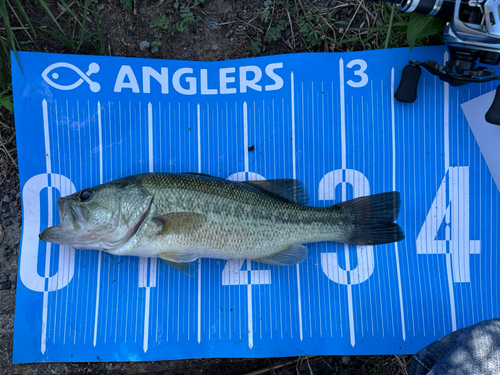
{"x": 373, "y": 219}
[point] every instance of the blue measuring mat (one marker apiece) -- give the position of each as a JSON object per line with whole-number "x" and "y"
{"x": 328, "y": 120}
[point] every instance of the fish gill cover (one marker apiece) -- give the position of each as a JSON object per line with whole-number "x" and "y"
{"x": 328, "y": 120}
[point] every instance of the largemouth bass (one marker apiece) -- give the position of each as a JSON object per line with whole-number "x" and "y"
{"x": 180, "y": 217}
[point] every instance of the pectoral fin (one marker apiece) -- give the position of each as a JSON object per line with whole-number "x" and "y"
{"x": 291, "y": 255}
{"x": 178, "y": 222}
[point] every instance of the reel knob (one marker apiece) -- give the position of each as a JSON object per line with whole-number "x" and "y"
{"x": 493, "y": 114}
{"x": 407, "y": 89}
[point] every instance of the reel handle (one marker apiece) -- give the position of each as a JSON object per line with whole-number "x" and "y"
{"x": 407, "y": 89}
{"x": 493, "y": 114}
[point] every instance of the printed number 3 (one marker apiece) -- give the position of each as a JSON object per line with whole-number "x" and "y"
{"x": 360, "y": 72}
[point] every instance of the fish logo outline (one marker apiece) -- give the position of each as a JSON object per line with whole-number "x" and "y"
{"x": 93, "y": 68}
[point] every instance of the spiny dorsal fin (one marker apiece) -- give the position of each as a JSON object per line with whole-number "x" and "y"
{"x": 178, "y": 222}
{"x": 291, "y": 255}
{"x": 284, "y": 189}
{"x": 202, "y": 175}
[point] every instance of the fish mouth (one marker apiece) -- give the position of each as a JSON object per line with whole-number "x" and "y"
{"x": 54, "y": 234}
{"x": 68, "y": 231}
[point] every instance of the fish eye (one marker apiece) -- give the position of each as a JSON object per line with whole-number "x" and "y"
{"x": 85, "y": 195}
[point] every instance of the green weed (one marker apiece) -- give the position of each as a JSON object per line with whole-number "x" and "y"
{"x": 256, "y": 45}
{"x": 187, "y": 18}
{"x": 158, "y": 25}
{"x": 164, "y": 24}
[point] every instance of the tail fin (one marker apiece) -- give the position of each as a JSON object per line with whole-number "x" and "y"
{"x": 373, "y": 218}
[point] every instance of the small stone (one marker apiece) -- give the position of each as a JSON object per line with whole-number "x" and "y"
{"x": 212, "y": 23}
{"x": 346, "y": 359}
{"x": 6, "y": 285}
{"x": 7, "y": 215}
{"x": 6, "y": 199}
{"x": 13, "y": 277}
{"x": 3, "y": 278}
{"x": 229, "y": 33}
{"x": 7, "y": 222}
{"x": 250, "y": 31}
{"x": 214, "y": 47}
{"x": 144, "y": 45}
{"x": 154, "y": 49}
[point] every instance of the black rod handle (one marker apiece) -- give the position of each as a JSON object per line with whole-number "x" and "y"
{"x": 407, "y": 89}
{"x": 493, "y": 114}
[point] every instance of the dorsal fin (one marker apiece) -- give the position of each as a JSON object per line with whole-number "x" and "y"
{"x": 282, "y": 189}
{"x": 202, "y": 175}
{"x": 285, "y": 189}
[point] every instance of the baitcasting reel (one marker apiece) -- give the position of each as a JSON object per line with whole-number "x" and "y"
{"x": 472, "y": 33}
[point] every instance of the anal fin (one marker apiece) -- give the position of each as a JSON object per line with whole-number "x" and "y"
{"x": 186, "y": 268}
{"x": 293, "y": 254}
{"x": 182, "y": 262}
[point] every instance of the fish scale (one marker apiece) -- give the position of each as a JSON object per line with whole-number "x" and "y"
{"x": 181, "y": 217}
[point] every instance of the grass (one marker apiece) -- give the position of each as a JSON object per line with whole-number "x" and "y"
{"x": 76, "y": 30}
{"x": 317, "y": 28}
{"x": 10, "y": 43}
{"x": 71, "y": 28}
{"x": 320, "y": 29}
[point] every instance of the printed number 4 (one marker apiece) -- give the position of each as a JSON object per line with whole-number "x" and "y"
{"x": 360, "y": 72}
{"x": 451, "y": 209}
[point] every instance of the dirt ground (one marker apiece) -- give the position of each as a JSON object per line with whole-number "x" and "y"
{"x": 219, "y": 30}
